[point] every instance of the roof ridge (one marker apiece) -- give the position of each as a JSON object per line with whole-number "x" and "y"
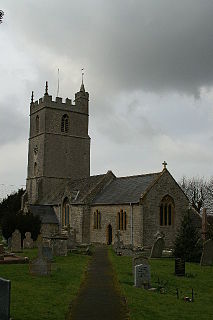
{"x": 139, "y": 175}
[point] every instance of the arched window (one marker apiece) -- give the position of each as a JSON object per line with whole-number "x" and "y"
{"x": 97, "y": 220}
{"x": 37, "y": 124}
{"x": 121, "y": 220}
{"x": 66, "y": 213}
{"x": 166, "y": 215}
{"x": 35, "y": 168}
{"x": 65, "y": 123}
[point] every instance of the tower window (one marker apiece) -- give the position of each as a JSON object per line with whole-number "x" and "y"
{"x": 121, "y": 220}
{"x": 166, "y": 214}
{"x": 65, "y": 123}
{"x": 37, "y": 124}
{"x": 35, "y": 168}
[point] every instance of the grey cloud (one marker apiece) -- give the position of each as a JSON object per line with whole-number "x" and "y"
{"x": 151, "y": 45}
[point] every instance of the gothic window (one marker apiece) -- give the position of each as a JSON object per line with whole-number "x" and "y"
{"x": 65, "y": 123}
{"x": 166, "y": 211}
{"x": 66, "y": 213}
{"x": 37, "y": 124}
{"x": 97, "y": 219}
{"x": 121, "y": 220}
{"x": 35, "y": 168}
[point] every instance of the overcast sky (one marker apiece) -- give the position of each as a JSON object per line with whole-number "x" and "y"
{"x": 148, "y": 70}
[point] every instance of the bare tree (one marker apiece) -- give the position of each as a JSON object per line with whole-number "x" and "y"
{"x": 1, "y": 15}
{"x": 199, "y": 191}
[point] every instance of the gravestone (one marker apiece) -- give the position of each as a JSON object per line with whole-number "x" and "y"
{"x": 157, "y": 248}
{"x": 207, "y": 254}
{"x": 28, "y": 241}
{"x": 47, "y": 253}
{"x": 118, "y": 243}
{"x": 40, "y": 266}
{"x": 71, "y": 241}
{"x": 16, "y": 241}
{"x": 142, "y": 276}
{"x": 179, "y": 267}
{"x": 138, "y": 260}
{"x": 5, "y": 287}
{"x": 59, "y": 247}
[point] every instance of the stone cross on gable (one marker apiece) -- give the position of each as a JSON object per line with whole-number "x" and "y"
{"x": 164, "y": 164}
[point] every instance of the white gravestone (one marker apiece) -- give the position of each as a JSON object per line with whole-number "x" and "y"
{"x": 142, "y": 276}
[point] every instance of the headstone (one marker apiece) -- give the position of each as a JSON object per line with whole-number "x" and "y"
{"x": 207, "y": 254}
{"x": 47, "y": 253}
{"x": 71, "y": 241}
{"x": 138, "y": 260}
{"x": 118, "y": 243}
{"x": 5, "y": 287}
{"x": 16, "y": 241}
{"x": 40, "y": 266}
{"x": 28, "y": 241}
{"x": 179, "y": 267}
{"x": 59, "y": 247}
{"x": 142, "y": 276}
{"x": 157, "y": 248}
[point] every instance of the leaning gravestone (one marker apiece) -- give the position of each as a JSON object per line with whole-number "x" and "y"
{"x": 142, "y": 276}
{"x": 5, "y": 287}
{"x": 139, "y": 260}
{"x": 207, "y": 254}
{"x": 28, "y": 241}
{"x": 16, "y": 241}
{"x": 157, "y": 248}
{"x": 71, "y": 241}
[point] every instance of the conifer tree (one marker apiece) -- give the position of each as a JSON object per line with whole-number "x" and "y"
{"x": 186, "y": 245}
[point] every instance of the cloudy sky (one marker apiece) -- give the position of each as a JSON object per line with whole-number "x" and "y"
{"x": 148, "y": 70}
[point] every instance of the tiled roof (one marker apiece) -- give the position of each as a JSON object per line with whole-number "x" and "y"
{"x": 45, "y": 213}
{"x": 126, "y": 189}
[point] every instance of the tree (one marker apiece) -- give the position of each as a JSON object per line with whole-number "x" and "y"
{"x": 1, "y": 15}
{"x": 199, "y": 191}
{"x": 186, "y": 244}
{"x": 11, "y": 217}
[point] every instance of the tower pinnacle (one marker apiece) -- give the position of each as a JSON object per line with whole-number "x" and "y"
{"x": 82, "y": 89}
{"x": 46, "y": 89}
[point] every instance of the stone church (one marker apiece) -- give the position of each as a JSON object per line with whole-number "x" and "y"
{"x": 62, "y": 192}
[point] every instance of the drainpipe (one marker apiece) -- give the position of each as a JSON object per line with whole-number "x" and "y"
{"x": 131, "y": 222}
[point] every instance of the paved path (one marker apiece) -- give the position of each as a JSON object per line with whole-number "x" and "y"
{"x": 98, "y": 299}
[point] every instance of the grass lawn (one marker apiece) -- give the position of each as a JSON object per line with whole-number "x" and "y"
{"x": 41, "y": 298}
{"x": 145, "y": 305}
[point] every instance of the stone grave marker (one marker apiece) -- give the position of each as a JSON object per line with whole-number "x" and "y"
{"x": 71, "y": 241}
{"x": 142, "y": 276}
{"x": 40, "y": 266}
{"x": 47, "y": 253}
{"x": 138, "y": 260}
{"x": 28, "y": 241}
{"x": 16, "y": 241}
{"x": 157, "y": 248}
{"x": 207, "y": 254}
{"x": 179, "y": 267}
{"x": 5, "y": 287}
{"x": 59, "y": 247}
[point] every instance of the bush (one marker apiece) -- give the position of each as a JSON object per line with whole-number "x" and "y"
{"x": 187, "y": 245}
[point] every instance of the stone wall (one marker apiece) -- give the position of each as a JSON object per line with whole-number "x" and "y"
{"x": 166, "y": 185}
{"x": 109, "y": 216}
{"x": 48, "y": 229}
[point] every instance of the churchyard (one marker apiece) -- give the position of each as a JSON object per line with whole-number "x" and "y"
{"x": 167, "y": 302}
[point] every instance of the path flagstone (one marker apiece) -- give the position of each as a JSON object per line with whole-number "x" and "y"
{"x": 98, "y": 298}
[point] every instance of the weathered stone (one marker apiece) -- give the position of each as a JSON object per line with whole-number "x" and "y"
{"x": 137, "y": 261}
{"x": 47, "y": 253}
{"x": 207, "y": 254}
{"x": 16, "y": 241}
{"x": 59, "y": 247}
{"x": 71, "y": 241}
{"x": 28, "y": 241}
{"x": 142, "y": 276}
{"x": 157, "y": 248}
{"x": 40, "y": 266}
{"x": 5, "y": 287}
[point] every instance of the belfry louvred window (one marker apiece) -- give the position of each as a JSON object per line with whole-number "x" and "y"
{"x": 121, "y": 220}
{"x": 37, "y": 124}
{"x": 65, "y": 123}
{"x": 97, "y": 220}
{"x": 166, "y": 215}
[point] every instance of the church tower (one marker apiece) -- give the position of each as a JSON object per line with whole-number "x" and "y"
{"x": 59, "y": 144}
